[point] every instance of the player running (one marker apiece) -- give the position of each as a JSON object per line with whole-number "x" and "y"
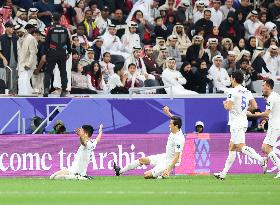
{"x": 273, "y": 113}
{"x": 163, "y": 163}
{"x": 237, "y": 103}
{"x": 83, "y": 156}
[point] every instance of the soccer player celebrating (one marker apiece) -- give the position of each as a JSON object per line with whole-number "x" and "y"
{"x": 237, "y": 104}
{"x": 83, "y": 156}
{"x": 273, "y": 113}
{"x": 163, "y": 163}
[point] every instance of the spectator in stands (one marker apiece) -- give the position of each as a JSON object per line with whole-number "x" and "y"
{"x": 189, "y": 75}
{"x": 160, "y": 43}
{"x": 90, "y": 26}
{"x": 251, "y": 44}
{"x": 196, "y": 52}
{"x": 130, "y": 37}
{"x": 263, "y": 17}
{"x": 173, "y": 50}
{"x": 212, "y": 48}
{"x": 258, "y": 63}
{"x": 119, "y": 21}
{"x": 226, "y": 8}
{"x": 79, "y": 8}
{"x": 229, "y": 28}
{"x": 245, "y": 8}
{"x": 161, "y": 59}
{"x": 117, "y": 81}
{"x": 230, "y": 63}
{"x": 97, "y": 48}
{"x": 219, "y": 75}
{"x": 46, "y": 8}
{"x": 184, "y": 12}
{"x": 239, "y": 17}
{"x": 172, "y": 77}
{"x": 88, "y": 58}
{"x": 247, "y": 71}
{"x": 251, "y": 24}
{"x": 33, "y": 14}
{"x": 202, "y": 78}
{"x": 205, "y": 23}
{"x": 272, "y": 60}
{"x": 95, "y": 78}
{"x": 77, "y": 46}
{"x": 215, "y": 34}
{"x": 183, "y": 41}
{"x": 274, "y": 11}
{"x": 243, "y": 55}
{"x": 103, "y": 20}
{"x": 80, "y": 83}
{"x": 80, "y": 33}
{"x": 27, "y": 59}
{"x": 9, "y": 55}
{"x": 262, "y": 35}
{"x": 107, "y": 68}
{"x": 226, "y": 46}
{"x": 151, "y": 65}
{"x": 239, "y": 47}
{"x": 134, "y": 80}
{"x": 21, "y": 17}
{"x": 216, "y": 13}
{"x": 160, "y": 29}
{"x": 198, "y": 10}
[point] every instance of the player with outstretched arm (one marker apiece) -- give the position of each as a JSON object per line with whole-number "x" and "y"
{"x": 163, "y": 163}
{"x": 273, "y": 113}
{"x": 237, "y": 103}
{"x": 83, "y": 156}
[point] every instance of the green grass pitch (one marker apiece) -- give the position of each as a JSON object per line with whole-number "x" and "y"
{"x": 126, "y": 190}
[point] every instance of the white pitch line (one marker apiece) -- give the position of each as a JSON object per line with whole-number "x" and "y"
{"x": 125, "y": 193}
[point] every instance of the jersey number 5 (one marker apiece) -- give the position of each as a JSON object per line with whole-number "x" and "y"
{"x": 243, "y": 103}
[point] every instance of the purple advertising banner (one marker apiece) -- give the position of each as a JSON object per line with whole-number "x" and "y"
{"x": 41, "y": 155}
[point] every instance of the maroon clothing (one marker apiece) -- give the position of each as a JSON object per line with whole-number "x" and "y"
{"x": 151, "y": 66}
{"x": 96, "y": 82}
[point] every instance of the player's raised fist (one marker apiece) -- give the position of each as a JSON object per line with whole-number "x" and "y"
{"x": 100, "y": 127}
{"x": 165, "y": 109}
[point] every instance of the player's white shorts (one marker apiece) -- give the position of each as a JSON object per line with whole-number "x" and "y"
{"x": 237, "y": 135}
{"x": 159, "y": 163}
{"x": 271, "y": 136}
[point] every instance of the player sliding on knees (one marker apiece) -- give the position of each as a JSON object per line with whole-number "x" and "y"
{"x": 163, "y": 163}
{"x": 237, "y": 103}
{"x": 273, "y": 113}
{"x": 83, "y": 156}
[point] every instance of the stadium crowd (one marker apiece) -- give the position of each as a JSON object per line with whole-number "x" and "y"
{"x": 193, "y": 46}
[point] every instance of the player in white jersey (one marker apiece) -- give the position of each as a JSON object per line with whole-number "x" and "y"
{"x": 83, "y": 156}
{"x": 165, "y": 162}
{"x": 237, "y": 103}
{"x": 273, "y": 113}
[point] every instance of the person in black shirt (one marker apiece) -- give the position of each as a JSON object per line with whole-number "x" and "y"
{"x": 205, "y": 22}
{"x": 58, "y": 48}
{"x": 119, "y": 21}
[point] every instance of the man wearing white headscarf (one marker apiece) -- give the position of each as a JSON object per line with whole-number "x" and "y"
{"x": 173, "y": 50}
{"x": 216, "y": 13}
{"x": 21, "y": 17}
{"x": 251, "y": 24}
{"x": 130, "y": 37}
{"x": 172, "y": 77}
{"x": 183, "y": 40}
{"x": 113, "y": 44}
{"x": 219, "y": 75}
{"x": 33, "y": 14}
{"x": 272, "y": 60}
{"x": 198, "y": 10}
{"x": 27, "y": 59}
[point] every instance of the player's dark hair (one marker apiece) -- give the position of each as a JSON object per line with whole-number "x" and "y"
{"x": 88, "y": 129}
{"x": 270, "y": 83}
{"x": 238, "y": 76}
{"x": 177, "y": 121}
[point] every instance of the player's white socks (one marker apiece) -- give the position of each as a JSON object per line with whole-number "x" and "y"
{"x": 134, "y": 164}
{"x": 275, "y": 160}
{"x": 252, "y": 153}
{"x": 229, "y": 162}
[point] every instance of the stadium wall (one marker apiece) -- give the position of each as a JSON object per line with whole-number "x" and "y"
{"x": 120, "y": 116}
{"x": 41, "y": 155}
